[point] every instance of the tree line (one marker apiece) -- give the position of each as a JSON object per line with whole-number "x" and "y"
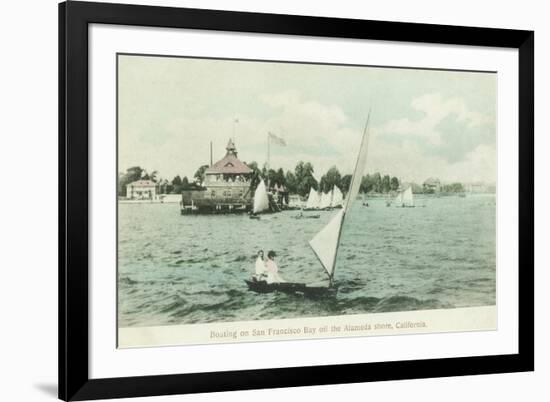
{"x": 301, "y": 179}
{"x": 298, "y": 181}
{"x": 452, "y": 188}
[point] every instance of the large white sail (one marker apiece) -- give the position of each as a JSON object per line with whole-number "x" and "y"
{"x": 326, "y": 199}
{"x": 325, "y": 243}
{"x": 337, "y": 198}
{"x": 408, "y": 199}
{"x": 312, "y": 199}
{"x": 261, "y": 200}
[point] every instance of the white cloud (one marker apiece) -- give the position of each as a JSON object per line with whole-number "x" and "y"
{"x": 412, "y": 149}
{"x": 479, "y": 165}
{"x": 448, "y": 140}
{"x": 434, "y": 109}
{"x": 313, "y": 131}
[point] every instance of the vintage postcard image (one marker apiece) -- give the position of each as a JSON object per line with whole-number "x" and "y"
{"x": 265, "y": 200}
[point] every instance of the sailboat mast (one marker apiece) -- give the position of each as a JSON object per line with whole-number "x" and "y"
{"x": 235, "y": 121}
{"x": 326, "y": 242}
{"x": 353, "y": 188}
{"x": 268, "y": 156}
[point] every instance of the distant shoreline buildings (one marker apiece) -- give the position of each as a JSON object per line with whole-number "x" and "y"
{"x": 141, "y": 190}
{"x": 431, "y": 185}
{"x": 228, "y": 185}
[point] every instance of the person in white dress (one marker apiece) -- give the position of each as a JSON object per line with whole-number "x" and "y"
{"x": 261, "y": 272}
{"x": 272, "y": 269}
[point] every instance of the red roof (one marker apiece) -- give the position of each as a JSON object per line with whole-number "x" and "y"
{"x": 229, "y": 164}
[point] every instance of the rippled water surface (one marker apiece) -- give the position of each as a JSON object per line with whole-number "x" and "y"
{"x": 175, "y": 269}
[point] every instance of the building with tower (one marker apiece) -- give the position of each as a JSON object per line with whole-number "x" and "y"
{"x": 226, "y": 187}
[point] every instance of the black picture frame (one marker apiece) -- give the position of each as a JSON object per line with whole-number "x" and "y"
{"x": 74, "y": 18}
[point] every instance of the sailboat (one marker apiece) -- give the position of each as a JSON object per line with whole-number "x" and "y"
{"x": 325, "y": 243}
{"x": 337, "y": 198}
{"x": 312, "y": 200}
{"x": 405, "y": 198}
{"x": 365, "y": 201}
{"x": 326, "y": 200}
{"x": 261, "y": 200}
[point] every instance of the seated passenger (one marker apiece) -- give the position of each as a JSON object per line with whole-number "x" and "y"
{"x": 272, "y": 269}
{"x": 261, "y": 273}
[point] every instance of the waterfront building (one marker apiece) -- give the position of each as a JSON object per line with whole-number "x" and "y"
{"x": 141, "y": 190}
{"x": 431, "y": 185}
{"x": 229, "y": 175}
{"x": 226, "y": 187}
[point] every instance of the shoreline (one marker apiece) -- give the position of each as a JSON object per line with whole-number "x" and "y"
{"x": 171, "y": 199}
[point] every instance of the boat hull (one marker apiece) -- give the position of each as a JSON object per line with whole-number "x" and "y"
{"x": 316, "y": 216}
{"x": 289, "y": 288}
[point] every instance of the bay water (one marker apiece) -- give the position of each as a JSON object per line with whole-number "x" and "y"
{"x": 175, "y": 269}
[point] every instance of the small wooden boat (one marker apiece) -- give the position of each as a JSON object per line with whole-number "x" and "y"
{"x": 307, "y": 216}
{"x": 261, "y": 286}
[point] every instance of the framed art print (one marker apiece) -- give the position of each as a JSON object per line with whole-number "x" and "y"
{"x": 257, "y": 200}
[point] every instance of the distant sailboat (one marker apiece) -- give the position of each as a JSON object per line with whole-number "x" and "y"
{"x": 405, "y": 198}
{"x": 365, "y": 201}
{"x": 325, "y": 243}
{"x": 313, "y": 199}
{"x": 261, "y": 199}
{"x": 399, "y": 199}
{"x": 408, "y": 199}
{"x": 326, "y": 200}
{"x": 337, "y": 198}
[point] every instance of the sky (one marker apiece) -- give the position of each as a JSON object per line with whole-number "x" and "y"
{"x": 424, "y": 123}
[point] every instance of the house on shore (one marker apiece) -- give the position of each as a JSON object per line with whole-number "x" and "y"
{"x": 141, "y": 190}
{"x": 226, "y": 187}
{"x": 431, "y": 185}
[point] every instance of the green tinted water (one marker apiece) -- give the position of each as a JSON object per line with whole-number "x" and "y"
{"x": 190, "y": 269}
